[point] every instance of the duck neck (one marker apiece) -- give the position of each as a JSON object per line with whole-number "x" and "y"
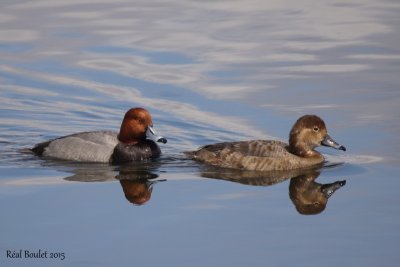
{"x": 303, "y": 151}
{"x": 127, "y": 139}
{"x": 129, "y": 134}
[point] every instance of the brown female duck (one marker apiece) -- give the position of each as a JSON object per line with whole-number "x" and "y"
{"x": 307, "y": 133}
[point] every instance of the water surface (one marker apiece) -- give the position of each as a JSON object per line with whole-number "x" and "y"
{"x": 208, "y": 71}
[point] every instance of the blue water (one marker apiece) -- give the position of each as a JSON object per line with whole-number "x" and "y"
{"x": 208, "y": 72}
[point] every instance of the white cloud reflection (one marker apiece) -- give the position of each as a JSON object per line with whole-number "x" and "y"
{"x": 375, "y": 57}
{"x": 184, "y": 111}
{"x": 301, "y": 109}
{"x": 216, "y": 35}
{"x": 57, "y": 180}
{"x": 327, "y": 68}
{"x": 18, "y": 35}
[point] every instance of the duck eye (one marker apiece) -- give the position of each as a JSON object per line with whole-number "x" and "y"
{"x": 315, "y": 129}
{"x": 139, "y": 120}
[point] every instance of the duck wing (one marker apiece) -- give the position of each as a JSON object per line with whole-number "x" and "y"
{"x": 95, "y": 146}
{"x": 249, "y": 155}
{"x": 259, "y": 148}
{"x": 256, "y": 148}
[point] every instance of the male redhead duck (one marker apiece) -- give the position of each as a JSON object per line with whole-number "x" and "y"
{"x": 130, "y": 144}
{"x": 308, "y": 132}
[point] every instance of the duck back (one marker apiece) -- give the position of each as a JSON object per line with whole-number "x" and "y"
{"x": 257, "y": 155}
{"x": 97, "y": 146}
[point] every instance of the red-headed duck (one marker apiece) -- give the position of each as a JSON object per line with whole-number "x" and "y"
{"x": 308, "y": 132}
{"x": 135, "y": 141}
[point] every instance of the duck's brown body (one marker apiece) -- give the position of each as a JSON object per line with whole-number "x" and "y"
{"x": 265, "y": 155}
{"x": 256, "y": 155}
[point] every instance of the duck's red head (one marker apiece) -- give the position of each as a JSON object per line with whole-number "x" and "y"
{"x": 134, "y": 126}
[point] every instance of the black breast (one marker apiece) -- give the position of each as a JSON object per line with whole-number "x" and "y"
{"x": 143, "y": 150}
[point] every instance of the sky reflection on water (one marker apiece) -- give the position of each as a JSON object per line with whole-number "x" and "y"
{"x": 208, "y": 71}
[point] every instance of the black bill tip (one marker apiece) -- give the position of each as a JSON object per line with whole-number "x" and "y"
{"x": 162, "y": 140}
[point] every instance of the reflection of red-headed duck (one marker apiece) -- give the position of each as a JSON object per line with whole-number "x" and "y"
{"x": 137, "y": 192}
{"x": 132, "y": 143}
{"x": 308, "y": 132}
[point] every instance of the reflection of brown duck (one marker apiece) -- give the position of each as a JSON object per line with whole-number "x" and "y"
{"x": 308, "y": 196}
{"x": 257, "y": 178}
{"x": 311, "y": 197}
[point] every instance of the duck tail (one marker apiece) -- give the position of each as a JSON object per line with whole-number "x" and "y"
{"x": 38, "y": 149}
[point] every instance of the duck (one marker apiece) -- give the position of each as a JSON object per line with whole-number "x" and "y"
{"x": 307, "y": 133}
{"x": 136, "y": 141}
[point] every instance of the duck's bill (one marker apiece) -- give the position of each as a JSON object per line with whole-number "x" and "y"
{"x": 329, "y": 189}
{"x": 151, "y": 134}
{"x": 328, "y": 141}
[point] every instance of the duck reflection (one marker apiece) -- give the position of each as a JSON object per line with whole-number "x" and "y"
{"x": 137, "y": 186}
{"x": 137, "y": 183}
{"x": 308, "y": 196}
{"x": 257, "y": 178}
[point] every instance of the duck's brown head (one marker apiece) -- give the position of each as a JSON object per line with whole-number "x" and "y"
{"x": 136, "y": 126}
{"x": 308, "y": 132}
